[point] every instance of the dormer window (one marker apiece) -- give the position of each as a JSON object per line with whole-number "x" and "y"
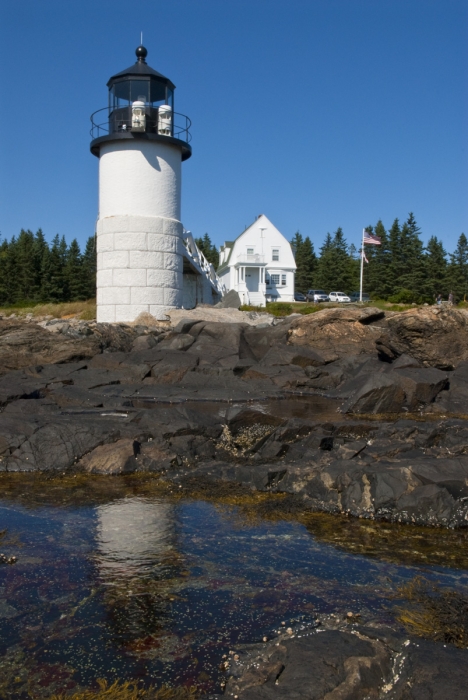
{"x": 250, "y": 251}
{"x": 275, "y": 254}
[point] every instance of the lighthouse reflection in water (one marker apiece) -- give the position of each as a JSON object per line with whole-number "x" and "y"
{"x": 138, "y": 564}
{"x": 134, "y": 535}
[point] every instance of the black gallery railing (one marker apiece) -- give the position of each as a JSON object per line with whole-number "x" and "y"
{"x": 150, "y": 120}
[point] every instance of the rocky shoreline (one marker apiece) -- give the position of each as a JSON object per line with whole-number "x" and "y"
{"x": 347, "y": 410}
{"x": 350, "y": 411}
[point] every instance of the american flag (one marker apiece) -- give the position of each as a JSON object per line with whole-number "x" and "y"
{"x": 370, "y": 239}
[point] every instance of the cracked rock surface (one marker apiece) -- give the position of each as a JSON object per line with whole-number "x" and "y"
{"x": 355, "y": 664}
{"x": 345, "y": 410}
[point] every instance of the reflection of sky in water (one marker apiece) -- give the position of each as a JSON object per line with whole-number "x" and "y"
{"x": 140, "y": 588}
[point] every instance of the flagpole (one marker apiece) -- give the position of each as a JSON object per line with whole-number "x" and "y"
{"x": 362, "y": 265}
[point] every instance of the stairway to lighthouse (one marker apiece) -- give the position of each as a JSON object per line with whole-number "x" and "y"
{"x": 201, "y": 284}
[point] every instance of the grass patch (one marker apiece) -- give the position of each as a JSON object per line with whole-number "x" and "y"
{"x": 434, "y": 613}
{"x": 388, "y": 306}
{"x": 281, "y": 309}
{"x": 257, "y": 309}
{"x": 85, "y": 310}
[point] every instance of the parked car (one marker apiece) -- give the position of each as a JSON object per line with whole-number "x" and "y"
{"x": 317, "y": 295}
{"x": 355, "y": 296}
{"x": 339, "y": 296}
{"x": 299, "y": 296}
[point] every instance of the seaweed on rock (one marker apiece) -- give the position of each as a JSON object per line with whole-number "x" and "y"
{"x": 436, "y": 614}
{"x": 128, "y": 690}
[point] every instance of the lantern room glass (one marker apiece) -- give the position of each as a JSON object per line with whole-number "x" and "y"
{"x": 153, "y": 92}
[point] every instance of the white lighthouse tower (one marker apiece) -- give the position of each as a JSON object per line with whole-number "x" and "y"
{"x": 140, "y": 142}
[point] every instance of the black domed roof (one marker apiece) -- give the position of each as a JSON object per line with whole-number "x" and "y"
{"x": 140, "y": 69}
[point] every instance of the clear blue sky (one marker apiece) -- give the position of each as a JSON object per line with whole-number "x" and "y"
{"x": 317, "y": 113}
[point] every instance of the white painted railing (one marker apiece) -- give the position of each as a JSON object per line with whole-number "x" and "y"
{"x": 198, "y": 260}
{"x": 246, "y": 258}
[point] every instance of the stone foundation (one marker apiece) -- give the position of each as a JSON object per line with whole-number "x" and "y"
{"x": 139, "y": 267}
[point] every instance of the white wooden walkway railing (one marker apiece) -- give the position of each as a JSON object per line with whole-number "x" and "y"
{"x": 201, "y": 264}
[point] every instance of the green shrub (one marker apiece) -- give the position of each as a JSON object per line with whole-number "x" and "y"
{"x": 405, "y": 296}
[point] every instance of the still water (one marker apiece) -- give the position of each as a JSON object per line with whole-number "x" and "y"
{"x": 144, "y": 587}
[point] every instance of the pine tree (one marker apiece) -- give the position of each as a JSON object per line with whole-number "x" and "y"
{"x": 309, "y": 262}
{"x": 44, "y": 292}
{"x": 25, "y": 277}
{"x": 296, "y": 242}
{"x": 458, "y": 269}
{"x": 89, "y": 264}
{"x": 74, "y": 273}
{"x": 395, "y": 259}
{"x": 347, "y": 263}
{"x": 354, "y": 264}
{"x": 335, "y": 270}
{"x": 40, "y": 252}
{"x": 3, "y": 272}
{"x": 324, "y": 276}
{"x": 412, "y": 272}
{"x": 435, "y": 264}
{"x": 306, "y": 262}
{"x": 377, "y": 272}
{"x": 54, "y": 287}
{"x": 12, "y": 288}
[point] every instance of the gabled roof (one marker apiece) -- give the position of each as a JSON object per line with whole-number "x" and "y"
{"x": 225, "y": 264}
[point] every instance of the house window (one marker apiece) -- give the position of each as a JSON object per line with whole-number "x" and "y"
{"x": 283, "y": 280}
{"x": 275, "y": 279}
{"x": 275, "y": 254}
{"x": 250, "y": 251}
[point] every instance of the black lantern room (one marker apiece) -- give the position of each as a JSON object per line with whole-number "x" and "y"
{"x": 141, "y": 104}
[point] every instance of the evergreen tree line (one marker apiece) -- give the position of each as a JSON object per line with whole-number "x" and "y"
{"x": 32, "y": 271}
{"x": 402, "y": 269}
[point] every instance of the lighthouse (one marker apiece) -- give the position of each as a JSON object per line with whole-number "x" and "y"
{"x": 142, "y": 253}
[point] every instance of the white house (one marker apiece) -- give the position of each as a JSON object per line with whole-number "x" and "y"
{"x": 259, "y": 264}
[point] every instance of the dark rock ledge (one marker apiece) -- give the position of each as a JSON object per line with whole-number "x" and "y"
{"x": 346, "y": 410}
{"x": 339, "y": 663}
